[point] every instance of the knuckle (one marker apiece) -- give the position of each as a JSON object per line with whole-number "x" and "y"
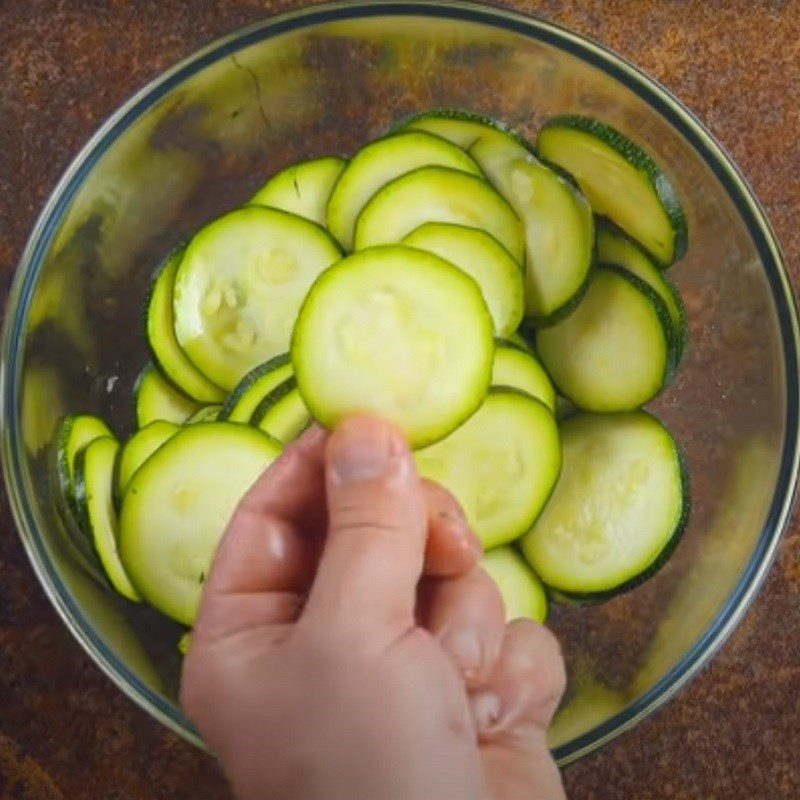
{"x": 539, "y": 655}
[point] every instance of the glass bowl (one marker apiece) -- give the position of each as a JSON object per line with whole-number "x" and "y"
{"x": 201, "y": 138}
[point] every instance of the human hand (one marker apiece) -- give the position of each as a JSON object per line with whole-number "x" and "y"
{"x": 379, "y": 685}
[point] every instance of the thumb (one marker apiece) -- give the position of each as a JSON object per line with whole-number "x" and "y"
{"x": 377, "y": 528}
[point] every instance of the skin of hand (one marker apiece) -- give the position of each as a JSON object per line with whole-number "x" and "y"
{"x": 349, "y": 648}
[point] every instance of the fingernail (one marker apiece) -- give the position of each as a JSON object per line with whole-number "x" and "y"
{"x": 464, "y": 647}
{"x": 454, "y": 515}
{"x": 485, "y": 708}
{"x": 457, "y": 522}
{"x": 361, "y": 450}
{"x": 474, "y": 543}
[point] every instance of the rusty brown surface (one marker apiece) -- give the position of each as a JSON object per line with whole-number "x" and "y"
{"x": 65, "y": 731}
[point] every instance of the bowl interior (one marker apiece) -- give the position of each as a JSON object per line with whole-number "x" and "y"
{"x": 201, "y": 141}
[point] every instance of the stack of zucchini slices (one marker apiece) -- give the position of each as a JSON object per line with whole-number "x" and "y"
{"x": 454, "y": 280}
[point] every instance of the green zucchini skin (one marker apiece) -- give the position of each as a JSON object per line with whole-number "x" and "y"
{"x": 459, "y": 115}
{"x": 535, "y": 322}
{"x": 86, "y": 428}
{"x": 265, "y": 420}
{"x": 640, "y": 160}
{"x": 278, "y": 393}
{"x": 606, "y": 228}
{"x": 205, "y": 414}
{"x": 247, "y": 383}
{"x": 95, "y": 484}
{"x": 165, "y": 352}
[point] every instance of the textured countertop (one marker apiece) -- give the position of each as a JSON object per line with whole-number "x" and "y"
{"x": 65, "y": 731}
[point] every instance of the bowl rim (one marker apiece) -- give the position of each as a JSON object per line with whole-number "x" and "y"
{"x": 599, "y": 56}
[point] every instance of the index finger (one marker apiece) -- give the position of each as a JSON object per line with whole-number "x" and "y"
{"x": 274, "y": 536}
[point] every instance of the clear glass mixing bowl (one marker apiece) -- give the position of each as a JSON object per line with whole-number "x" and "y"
{"x": 202, "y": 137}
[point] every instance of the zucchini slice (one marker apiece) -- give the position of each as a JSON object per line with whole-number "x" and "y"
{"x": 520, "y": 369}
{"x": 94, "y": 492}
{"x": 614, "y": 247}
{"x": 380, "y": 162}
{"x": 462, "y": 128}
{"x": 485, "y": 260}
{"x": 75, "y": 432}
{"x": 616, "y": 350}
{"x": 302, "y": 189}
{"x": 164, "y": 348}
{"x": 618, "y": 510}
{"x": 438, "y": 194}
{"x": 523, "y": 593}
{"x": 254, "y": 387}
{"x": 501, "y": 464}
{"x": 621, "y": 181}
{"x": 397, "y": 332}
{"x": 178, "y": 504}
{"x": 139, "y": 448}
{"x": 282, "y": 413}
{"x": 155, "y": 398}
{"x": 240, "y": 284}
{"x": 559, "y": 227}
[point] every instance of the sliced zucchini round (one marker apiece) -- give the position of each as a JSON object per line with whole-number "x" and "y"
{"x": 520, "y": 369}
{"x": 302, "y": 189}
{"x": 380, "y": 162}
{"x": 254, "y": 387}
{"x": 621, "y": 181}
{"x": 614, "y": 247}
{"x": 160, "y": 328}
{"x": 523, "y": 593}
{"x": 75, "y": 432}
{"x": 240, "y": 284}
{"x": 438, "y": 194}
{"x": 501, "y": 464}
{"x": 618, "y": 510}
{"x": 462, "y": 128}
{"x": 282, "y": 413}
{"x": 94, "y": 484}
{"x": 397, "y": 332}
{"x": 615, "y": 351}
{"x": 485, "y": 260}
{"x": 139, "y": 448}
{"x": 178, "y": 504}
{"x": 558, "y": 222}
{"x": 155, "y": 398}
